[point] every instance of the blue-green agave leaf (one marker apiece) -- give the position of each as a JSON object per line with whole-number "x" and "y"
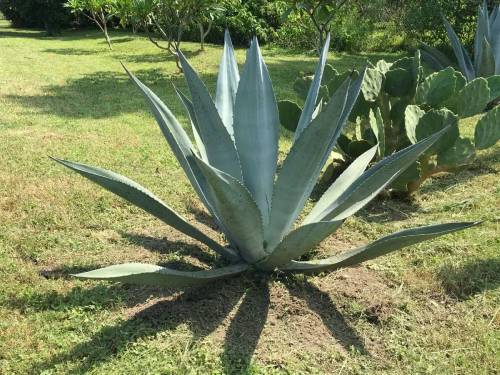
{"x": 341, "y": 184}
{"x": 371, "y": 182}
{"x": 227, "y": 84}
{"x": 238, "y": 212}
{"x": 312, "y": 96}
{"x": 486, "y": 62}
{"x": 461, "y": 54}
{"x": 482, "y": 34}
{"x": 298, "y": 242}
{"x": 179, "y": 142}
{"x": 149, "y": 274}
{"x": 434, "y": 57}
{"x": 221, "y": 152}
{"x": 303, "y": 165}
{"x": 143, "y": 198}
{"x": 256, "y": 129}
{"x": 378, "y": 248}
{"x": 194, "y": 123}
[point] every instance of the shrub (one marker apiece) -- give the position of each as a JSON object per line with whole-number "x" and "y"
{"x": 48, "y": 14}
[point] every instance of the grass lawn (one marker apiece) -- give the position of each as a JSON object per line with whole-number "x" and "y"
{"x": 428, "y": 309}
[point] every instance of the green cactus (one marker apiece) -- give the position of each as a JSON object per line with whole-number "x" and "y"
{"x": 289, "y": 114}
{"x": 399, "y": 106}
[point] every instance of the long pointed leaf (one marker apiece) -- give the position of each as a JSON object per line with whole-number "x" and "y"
{"x": 239, "y": 212}
{"x": 177, "y": 139}
{"x": 341, "y": 184}
{"x": 219, "y": 146}
{"x": 149, "y": 274}
{"x": 312, "y": 96}
{"x": 298, "y": 242}
{"x": 378, "y": 248}
{"x": 371, "y": 182}
{"x": 482, "y": 33}
{"x": 143, "y": 198}
{"x": 460, "y": 53}
{"x": 194, "y": 123}
{"x": 302, "y": 166}
{"x": 256, "y": 129}
{"x": 181, "y": 146}
{"x": 227, "y": 84}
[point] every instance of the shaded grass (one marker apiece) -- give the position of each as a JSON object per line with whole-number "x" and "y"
{"x": 432, "y": 308}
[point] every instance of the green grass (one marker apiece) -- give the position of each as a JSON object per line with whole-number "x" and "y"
{"x": 432, "y": 308}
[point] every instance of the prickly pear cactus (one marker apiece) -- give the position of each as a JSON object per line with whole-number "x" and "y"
{"x": 399, "y": 105}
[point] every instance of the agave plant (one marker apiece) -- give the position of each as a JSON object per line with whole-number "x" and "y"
{"x": 486, "y": 47}
{"x": 233, "y": 169}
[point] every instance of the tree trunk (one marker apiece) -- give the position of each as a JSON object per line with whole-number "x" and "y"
{"x": 202, "y": 36}
{"x": 105, "y": 29}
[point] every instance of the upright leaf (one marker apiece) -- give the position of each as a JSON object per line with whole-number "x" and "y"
{"x": 194, "y": 123}
{"x": 460, "y": 53}
{"x": 227, "y": 84}
{"x": 256, "y": 129}
{"x": 378, "y": 248}
{"x": 473, "y": 98}
{"x": 219, "y": 146}
{"x": 149, "y": 274}
{"x": 302, "y": 166}
{"x": 312, "y": 96}
{"x": 238, "y": 212}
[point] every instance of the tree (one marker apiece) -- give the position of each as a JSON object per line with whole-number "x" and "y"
{"x": 204, "y": 14}
{"x": 321, "y": 13}
{"x": 98, "y": 11}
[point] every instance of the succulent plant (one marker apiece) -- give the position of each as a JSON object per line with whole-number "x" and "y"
{"x": 399, "y": 105}
{"x": 233, "y": 169}
{"x": 486, "y": 47}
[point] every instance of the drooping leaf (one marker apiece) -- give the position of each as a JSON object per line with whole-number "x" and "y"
{"x": 378, "y": 248}
{"x": 239, "y": 212}
{"x": 256, "y": 129}
{"x": 146, "y": 200}
{"x": 370, "y": 183}
{"x": 227, "y": 84}
{"x": 219, "y": 146}
{"x": 435, "y": 58}
{"x": 341, "y": 184}
{"x": 487, "y": 131}
{"x": 298, "y": 242}
{"x": 149, "y": 274}
{"x": 312, "y": 96}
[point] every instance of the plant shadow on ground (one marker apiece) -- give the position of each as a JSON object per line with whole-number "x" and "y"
{"x": 466, "y": 280}
{"x": 152, "y": 310}
{"x": 104, "y": 94}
